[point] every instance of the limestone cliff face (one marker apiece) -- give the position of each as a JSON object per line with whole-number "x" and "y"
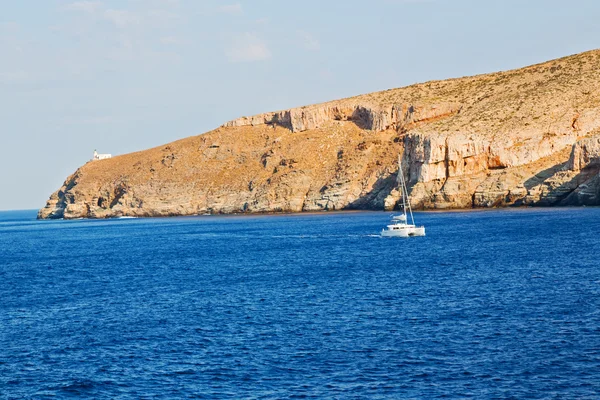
{"x": 524, "y": 137}
{"x": 376, "y": 118}
{"x": 585, "y": 154}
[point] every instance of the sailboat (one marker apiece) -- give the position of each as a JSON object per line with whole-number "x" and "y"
{"x": 400, "y": 226}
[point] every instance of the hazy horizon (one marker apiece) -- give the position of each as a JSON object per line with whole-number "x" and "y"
{"x": 123, "y": 76}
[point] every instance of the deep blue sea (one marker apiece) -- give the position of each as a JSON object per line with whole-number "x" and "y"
{"x": 490, "y": 304}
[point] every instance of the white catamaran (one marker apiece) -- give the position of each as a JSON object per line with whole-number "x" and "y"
{"x": 400, "y": 226}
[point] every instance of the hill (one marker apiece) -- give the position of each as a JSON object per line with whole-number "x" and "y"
{"x": 529, "y": 136}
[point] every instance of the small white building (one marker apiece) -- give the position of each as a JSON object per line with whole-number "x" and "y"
{"x": 100, "y": 156}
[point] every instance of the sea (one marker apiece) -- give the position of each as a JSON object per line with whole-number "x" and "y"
{"x": 495, "y": 304}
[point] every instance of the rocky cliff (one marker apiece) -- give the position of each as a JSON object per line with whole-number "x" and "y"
{"x": 524, "y": 137}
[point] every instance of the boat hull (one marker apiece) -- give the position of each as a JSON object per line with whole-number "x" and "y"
{"x": 404, "y": 232}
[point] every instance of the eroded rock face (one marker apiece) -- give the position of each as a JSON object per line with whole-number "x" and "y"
{"x": 586, "y": 153}
{"x": 365, "y": 116}
{"x": 523, "y": 137}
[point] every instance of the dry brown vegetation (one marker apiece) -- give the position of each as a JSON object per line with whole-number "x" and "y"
{"x": 338, "y": 165}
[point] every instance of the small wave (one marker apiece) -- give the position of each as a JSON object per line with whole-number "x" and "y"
{"x": 77, "y": 386}
{"x": 182, "y": 372}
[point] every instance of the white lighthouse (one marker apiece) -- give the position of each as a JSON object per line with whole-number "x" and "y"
{"x": 100, "y": 156}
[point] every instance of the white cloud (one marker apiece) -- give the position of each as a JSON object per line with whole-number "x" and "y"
{"x": 137, "y": 31}
{"x": 118, "y": 17}
{"x": 248, "y": 47}
{"x": 309, "y": 41}
{"x": 89, "y": 7}
{"x": 235, "y": 8}
{"x": 163, "y": 16}
{"x": 122, "y": 18}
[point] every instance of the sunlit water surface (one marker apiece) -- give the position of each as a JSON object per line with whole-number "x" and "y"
{"x": 493, "y": 304}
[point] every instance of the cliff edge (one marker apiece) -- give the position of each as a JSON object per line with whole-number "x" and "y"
{"x": 523, "y": 137}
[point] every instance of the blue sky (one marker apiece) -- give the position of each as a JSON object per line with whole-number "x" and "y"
{"x": 122, "y": 76}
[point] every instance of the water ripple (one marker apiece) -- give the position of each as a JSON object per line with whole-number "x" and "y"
{"x": 489, "y": 305}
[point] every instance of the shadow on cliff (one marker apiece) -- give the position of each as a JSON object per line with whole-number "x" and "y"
{"x": 542, "y": 176}
{"x": 582, "y": 190}
{"x": 374, "y": 199}
{"x": 566, "y": 193}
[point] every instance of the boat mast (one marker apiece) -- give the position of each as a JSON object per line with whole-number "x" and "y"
{"x": 405, "y": 200}
{"x": 400, "y": 181}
